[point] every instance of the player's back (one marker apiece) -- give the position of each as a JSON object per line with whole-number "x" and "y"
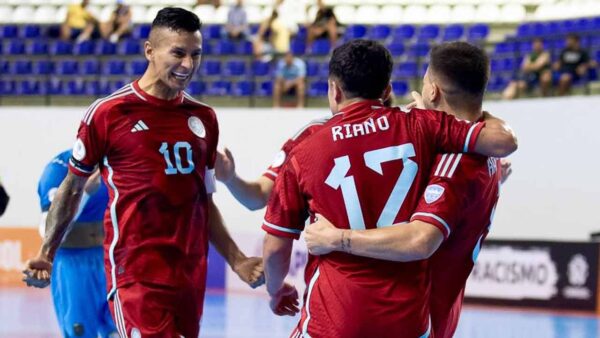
{"x": 478, "y": 178}
{"x": 367, "y": 168}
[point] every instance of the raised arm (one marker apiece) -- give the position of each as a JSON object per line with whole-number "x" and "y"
{"x": 252, "y": 194}
{"x": 496, "y": 139}
{"x": 249, "y": 269}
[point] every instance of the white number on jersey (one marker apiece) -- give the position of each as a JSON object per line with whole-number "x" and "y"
{"x": 178, "y": 168}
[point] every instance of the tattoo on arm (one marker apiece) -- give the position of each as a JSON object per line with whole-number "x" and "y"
{"x": 347, "y": 241}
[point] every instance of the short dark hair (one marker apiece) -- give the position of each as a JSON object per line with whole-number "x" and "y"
{"x": 362, "y": 67}
{"x": 463, "y": 65}
{"x": 177, "y": 19}
{"x": 573, "y": 36}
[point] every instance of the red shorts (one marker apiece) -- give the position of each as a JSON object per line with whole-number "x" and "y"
{"x": 156, "y": 311}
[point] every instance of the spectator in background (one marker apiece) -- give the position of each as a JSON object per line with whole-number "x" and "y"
{"x": 119, "y": 23}
{"x": 80, "y": 24}
{"x": 325, "y": 25}
{"x": 237, "y": 22}
{"x": 535, "y": 70}
{"x": 3, "y": 199}
{"x": 290, "y": 78}
{"x": 273, "y": 38}
{"x": 573, "y": 64}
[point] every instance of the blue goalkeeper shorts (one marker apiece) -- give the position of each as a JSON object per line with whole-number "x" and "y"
{"x": 78, "y": 286}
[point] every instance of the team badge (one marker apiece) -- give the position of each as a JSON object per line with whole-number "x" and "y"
{"x": 279, "y": 159}
{"x": 79, "y": 150}
{"x": 197, "y": 127}
{"x": 433, "y": 193}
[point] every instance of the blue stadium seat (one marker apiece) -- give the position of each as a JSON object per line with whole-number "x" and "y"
{"x": 44, "y": 67}
{"x": 107, "y": 48}
{"x": 260, "y": 68}
{"x": 525, "y": 47}
{"x": 196, "y": 88}
{"x": 597, "y": 56}
{"x": 91, "y": 67}
{"x": 4, "y": 67}
{"x": 265, "y": 89}
{"x": 567, "y": 26}
{"x": 312, "y": 68}
{"x": 505, "y": 48}
{"x": 428, "y": 32}
{"x": 9, "y": 31}
{"x": 38, "y": 47}
{"x": 380, "y": 32}
{"x": 22, "y": 67}
{"x": 584, "y": 24}
{"x": 52, "y": 32}
{"x": 244, "y": 48}
{"x": 356, "y": 31}
{"x": 235, "y": 68}
{"x": 8, "y": 87}
{"x": 16, "y": 47}
{"x": 212, "y": 32}
{"x": 396, "y": 48}
{"x": 551, "y": 28}
{"x": 85, "y": 48}
{"x": 324, "y": 69}
{"x": 497, "y": 83}
{"x": 76, "y": 87}
{"x": 1, "y": 48}
{"x": 60, "y": 47}
{"x": 302, "y": 32}
{"x": 318, "y": 88}
{"x": 54, "y": 87}
{"x": 29, "y": 87}
{"x": 418, "y": 50}
{"x": 321, "y": 47}
{"x": 400, "y": 88}
{"x": 130, "y": 47}
{"x": 114, "y": 67}
{"x": 31, "y": 32}
{"x": 243, "y": 88}
{"x": 595, "y": 23}
{"x": 219, "y": 88}
{"x": 406, "y": 69}
{"x": 403, "y": 32}
{"x": 453, "y": 32}
{"x": 478, "y": 32}
{"x": 207, "y": 47}
{"x": 298, "y": 46}
{"x": 210, "y": 68}
{"x": 141, "y": 31}
{"x": 138, "y": 67}
{"x": 224, "y": 47}
{"x": 422, "y": 69}
{"x": 115, "y": 85}
{"x": 97, "y": 88}
{"x": 68, "y": 67}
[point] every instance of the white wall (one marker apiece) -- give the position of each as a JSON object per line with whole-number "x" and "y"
{"x": 552, "y": 194}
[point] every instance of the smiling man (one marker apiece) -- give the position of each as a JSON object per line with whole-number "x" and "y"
{"x": 156, "y": 149}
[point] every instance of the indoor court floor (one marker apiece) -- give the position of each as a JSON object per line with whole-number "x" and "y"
{"x": 28, "y": 313}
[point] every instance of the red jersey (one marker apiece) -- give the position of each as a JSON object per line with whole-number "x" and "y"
{"x": 157, "y": 158}
{"x": 314, "y": 125}
{"x": 366, "y": 167}
{"x": 460, "y": 200}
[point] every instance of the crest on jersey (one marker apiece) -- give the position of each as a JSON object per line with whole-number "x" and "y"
{"x": 197, "y": 127}
{"x": 279, "y": 159}
{"x": 79, "y": 150}
{"x": 433, "y": 193}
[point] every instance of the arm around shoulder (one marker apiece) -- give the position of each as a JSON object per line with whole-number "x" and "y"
{"x": 496, "y": 139}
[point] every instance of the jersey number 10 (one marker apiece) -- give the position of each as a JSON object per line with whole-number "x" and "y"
{"x": 178, "y": 168}
{"x": 373, "y": 159}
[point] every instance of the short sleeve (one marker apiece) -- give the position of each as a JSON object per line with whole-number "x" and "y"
{"x": 90, "y": 146}
{"x": 287, "y": 208}
{"x": 52, "y": 177}
{"x": 450, "y": 134}
{"x": 445, "y": 198}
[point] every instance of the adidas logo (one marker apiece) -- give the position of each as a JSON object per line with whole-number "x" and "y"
{"x": 139, "y": 126}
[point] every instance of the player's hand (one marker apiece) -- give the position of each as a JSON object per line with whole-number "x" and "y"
{"x": 417, "y": 101}
{"x": 251, "y": 271}
{"x": 505, "y": 169}
{"x": 224, "y": 166}
{"x": 322, "y": 237}
{"x": 37, "y": 272}
{"x": 285, "y": 301}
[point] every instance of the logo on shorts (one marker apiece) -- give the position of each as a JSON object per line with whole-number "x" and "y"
{"x": 135, "y": 333}
{"x": 196, "y": 126}
{"x": 279, "y": 159}
{"x": 433, "y": 193}
{"x": 79, "y": 150}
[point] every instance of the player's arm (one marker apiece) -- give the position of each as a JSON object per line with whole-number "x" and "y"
{"x": 277, "y": 253}
{"x": 252, "y": 194}
{"x": 401, "y": 242}
{"x": 496, "y": 138}
{"x": 249, "y": 269}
